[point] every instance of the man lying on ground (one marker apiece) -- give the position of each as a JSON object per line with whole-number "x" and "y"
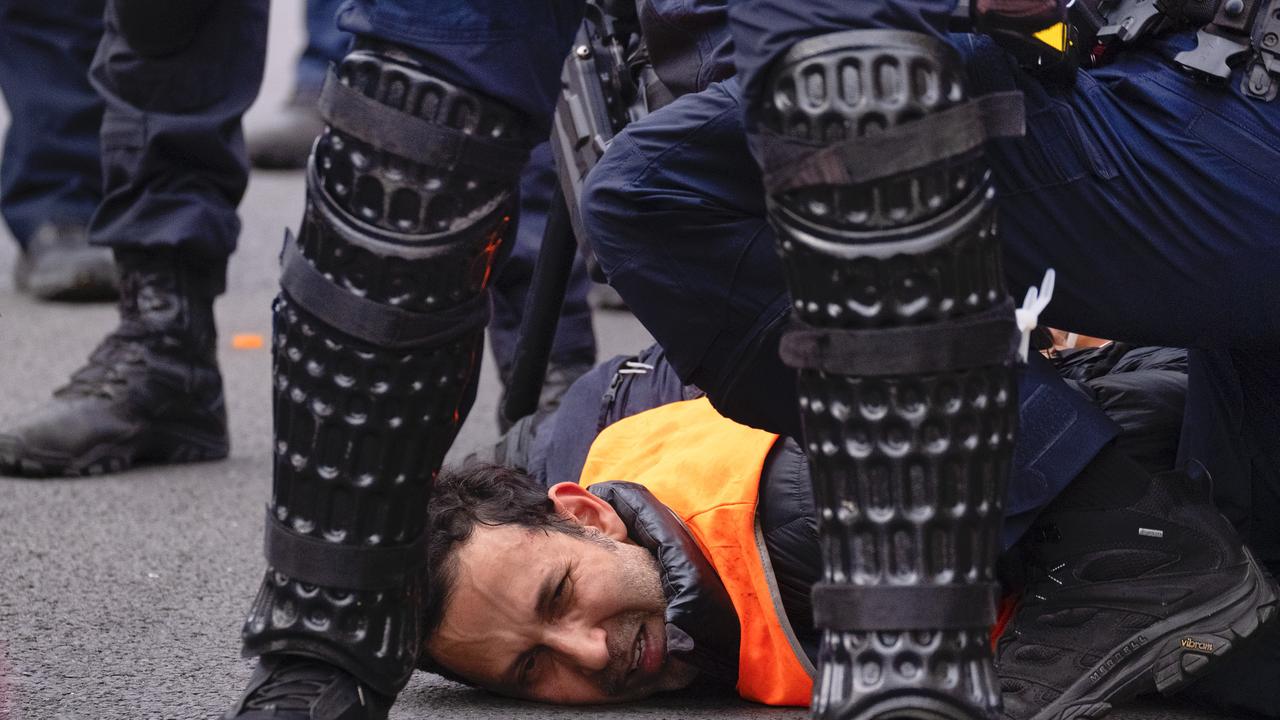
{"x": 684, "y": 548}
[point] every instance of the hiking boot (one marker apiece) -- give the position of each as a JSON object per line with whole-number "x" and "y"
{"x": 58, "y": 263}
{"x": 290, "y": 687}
{"x": 1127, "y": 598}
{"x": 285, "y": 143}
{"x": 151, "y": 391}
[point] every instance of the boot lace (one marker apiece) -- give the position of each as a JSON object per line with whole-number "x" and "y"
{"x": 109, "y": 367}
{"x": 1041, "y": 574}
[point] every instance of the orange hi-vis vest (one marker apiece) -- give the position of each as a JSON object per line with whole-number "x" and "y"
{"x": 707, "y": 469}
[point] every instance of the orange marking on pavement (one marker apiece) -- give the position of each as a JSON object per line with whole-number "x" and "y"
{"x": 247, "y": 341}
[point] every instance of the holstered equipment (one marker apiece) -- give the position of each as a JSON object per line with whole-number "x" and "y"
{"x": 378, "y": 334}
{"x": 1231, "y": 34}
{"x": 606, "y": 83}
{"x": 903, "y": 336}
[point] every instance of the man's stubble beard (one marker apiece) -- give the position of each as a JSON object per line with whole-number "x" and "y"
{"x": 642, "y": 580}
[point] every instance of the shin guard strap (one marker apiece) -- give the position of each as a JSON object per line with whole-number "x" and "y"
{"x": 790, "y": 164}
{"x": 855, "y": 608}
{"x": 415, "y": 139}
{"x": 348, "y": 567}
{"x": 983, "y": 339}
{"x": 373, "y": 322}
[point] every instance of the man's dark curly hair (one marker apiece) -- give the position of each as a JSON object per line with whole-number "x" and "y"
{"x": 463, "y": 498}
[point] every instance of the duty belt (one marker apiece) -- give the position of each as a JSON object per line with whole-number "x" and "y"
{"x": 1232, "y": 33}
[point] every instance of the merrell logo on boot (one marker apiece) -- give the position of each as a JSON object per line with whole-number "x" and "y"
{"x": 1189, "y": 644}
{"x": 1117, "y": 657}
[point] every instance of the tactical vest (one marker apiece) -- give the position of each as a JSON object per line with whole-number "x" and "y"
{"x": 674, "y": 450}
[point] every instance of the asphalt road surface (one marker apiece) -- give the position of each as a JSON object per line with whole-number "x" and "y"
{"x": 122, "y": 597}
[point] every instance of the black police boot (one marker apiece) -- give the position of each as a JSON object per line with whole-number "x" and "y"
{"x": 151, "y": 391}
{"x": 288, "y": 687}
{"x": 904, "y": 339}
{"x": 58, "y": 263}
{"x": 1137, "y": 583}
{"x": 379, "y": 332}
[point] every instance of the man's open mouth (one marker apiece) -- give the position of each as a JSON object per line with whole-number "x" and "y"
{"x": 637, "y": 650}
{"x": 646, "y": 655}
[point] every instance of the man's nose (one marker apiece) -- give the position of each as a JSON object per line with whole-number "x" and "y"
{"x": 584, "y": 645}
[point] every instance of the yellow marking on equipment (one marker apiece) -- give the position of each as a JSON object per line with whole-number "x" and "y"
{"x": 1055, "y": 36}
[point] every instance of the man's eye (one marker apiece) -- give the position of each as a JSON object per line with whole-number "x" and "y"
{"x": 562, "y": 591}
{"x": 527, "y": 667}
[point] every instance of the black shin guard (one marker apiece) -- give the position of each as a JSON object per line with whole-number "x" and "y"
{"x": 904, "y": 340}
{"x": 377, "y": 345}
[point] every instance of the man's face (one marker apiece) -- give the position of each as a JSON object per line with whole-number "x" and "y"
{"x": 559, "y": 618}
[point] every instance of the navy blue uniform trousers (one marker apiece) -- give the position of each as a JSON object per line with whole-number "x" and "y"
{"x": 173, "y": 156}
{"x": 1148, "y": 192}
{"x": 164, "y": 165}
{"x": 49, "y": 170}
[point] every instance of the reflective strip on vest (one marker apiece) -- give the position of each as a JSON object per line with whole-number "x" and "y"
{"x": 707, "y": 469}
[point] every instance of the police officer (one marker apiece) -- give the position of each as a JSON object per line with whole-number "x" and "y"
{"x": 176, "y": 78}
{"x": 50, "y": 179}
{"x": 1075, "y": 194}
{"x": 378, "y": 330}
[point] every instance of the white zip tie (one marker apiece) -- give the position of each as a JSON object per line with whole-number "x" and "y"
{"x": 632, "y": 371}
{"x": 1033, "y": 304}
{"x": 638, "y": 364}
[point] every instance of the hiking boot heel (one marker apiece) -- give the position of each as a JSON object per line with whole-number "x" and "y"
{"x": 1189, "y": 653}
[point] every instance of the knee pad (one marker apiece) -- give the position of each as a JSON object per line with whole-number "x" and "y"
{"x": 377, "y": 346}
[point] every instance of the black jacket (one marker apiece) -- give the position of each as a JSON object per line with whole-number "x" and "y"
{"x": 1143, "y": 389}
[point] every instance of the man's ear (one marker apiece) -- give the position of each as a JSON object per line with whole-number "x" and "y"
{"x": 575, "y": 501}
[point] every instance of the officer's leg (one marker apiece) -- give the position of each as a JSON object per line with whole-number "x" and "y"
{"x": 176, "y": 78}
{"x": 902, "y": 341}
{"x": 50, "y": 179}
{"x": 379, "y": 333}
